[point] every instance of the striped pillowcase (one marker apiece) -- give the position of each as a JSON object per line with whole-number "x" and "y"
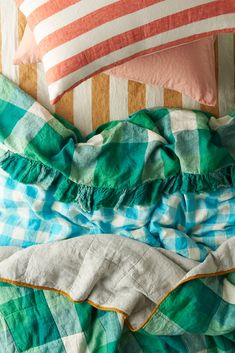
{"x": 80, "y": 38}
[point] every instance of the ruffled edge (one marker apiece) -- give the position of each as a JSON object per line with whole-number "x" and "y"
{"x": 90, "y": 198}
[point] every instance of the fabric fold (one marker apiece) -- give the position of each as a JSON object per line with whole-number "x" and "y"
{"x": 111, "y": 272}
{"x": 123, "y": 163}
{"x": 132, "y": 224}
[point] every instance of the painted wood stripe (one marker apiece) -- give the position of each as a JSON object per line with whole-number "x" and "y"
{"x": 9, "y": 29}
{"x": 27, "y": 73}
{"x": 100, "y": 100}
{"x": 42, "y": 89}
{"x": 206, "y": 108}
{"x": 172, "y": 99}
{"x": 82, "y": 107}
{"x": 64, "y": 107}
{"x": 189, "y": 103}
{"x": 136, "y": 96}
{"x": 118, "y": 98}
{"x": 154, "y": 96}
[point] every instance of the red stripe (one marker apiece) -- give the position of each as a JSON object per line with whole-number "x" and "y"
{"x": 91, "y": 21}
{"x": 145, "y": 52}
{"x": 46, "y": 10}
{"x": 149, "y": 30}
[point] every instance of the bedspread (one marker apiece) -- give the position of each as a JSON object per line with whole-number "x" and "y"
{"x": 121, "y": 241}
{"x": 68, "y": 327}
{"x": 169, "y": 150}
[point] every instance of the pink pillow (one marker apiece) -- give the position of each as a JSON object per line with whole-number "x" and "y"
{"x": 79, "y": 39}
{"x": 28, "y": 51}
{"x": 189, "y": 69}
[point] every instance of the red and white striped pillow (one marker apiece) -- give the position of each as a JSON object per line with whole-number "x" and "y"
{"x": 80, "y": 38}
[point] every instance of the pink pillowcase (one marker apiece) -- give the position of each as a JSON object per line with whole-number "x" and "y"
{"x": 189, "y": 68}
{"x": 28, "y": 51}
{"x": 79, "y": 39}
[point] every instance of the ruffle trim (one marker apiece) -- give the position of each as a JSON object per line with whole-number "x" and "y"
{"x": 90, "y": 197}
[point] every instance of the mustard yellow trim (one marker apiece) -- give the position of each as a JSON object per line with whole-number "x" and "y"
{"x": 215, "y": 274}
{"x": 125, "y": 315}
{"x": 33, "y": 286}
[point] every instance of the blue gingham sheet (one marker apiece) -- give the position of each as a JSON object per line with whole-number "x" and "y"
{"x": 190, "y": 225}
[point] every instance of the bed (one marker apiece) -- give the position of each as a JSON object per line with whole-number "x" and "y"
{"x": 117, "y": 222}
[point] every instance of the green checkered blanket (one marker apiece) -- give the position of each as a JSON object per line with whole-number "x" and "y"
{"x": 106, "y": 293}
{"x": 193, "y": 319}
{"x": 128, "y": 162}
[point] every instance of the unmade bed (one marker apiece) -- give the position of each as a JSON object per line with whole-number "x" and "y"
{"x": 117, "y": 197}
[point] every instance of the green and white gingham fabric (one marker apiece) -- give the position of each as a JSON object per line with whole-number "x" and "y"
{"x": 33, "y": 321}
{"x": 164, "y": 177}
{"x": 123, "y": 163}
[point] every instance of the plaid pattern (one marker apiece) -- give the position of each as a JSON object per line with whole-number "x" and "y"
{"x": 127, "y": 162}
{"x": 190, "y": 225}
{"x": 161, "y": 149}
{"x": 61, "y": 326}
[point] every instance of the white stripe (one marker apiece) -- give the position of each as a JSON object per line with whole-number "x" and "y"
{"x": 67, "y": 16}
{"x": 189, "y": 103}
{"x": 226, "y": 74}
{"x": 42, "y": 89}
{"x": 154, "y": 96}
{"x": 28, "y": 6}
{"x": 83, "y": 8}
{"x": 59, "y": 86}
{"x": 82, "y": 107}
{"x": 118, "y": 98}
{"x": 9, "y": 33}
{"x": 108, "y": 30}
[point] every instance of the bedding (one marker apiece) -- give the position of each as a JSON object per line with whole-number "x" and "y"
{"x": 176, "y": 68}
{"x": 133, "y": 260}
{"x": 87, "y": 178}
{"x": 42, "y": 309}
{"x": 28, "y": 52}
{"x": 151, "y": 269}
{"x": 31, "y": 216}
{"x": 77, "y": 41}
{"x": 103, "y": 98}
{"x": 197, "y": 82}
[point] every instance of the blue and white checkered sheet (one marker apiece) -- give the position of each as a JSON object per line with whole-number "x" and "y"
{"x": 190, "y": 225}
